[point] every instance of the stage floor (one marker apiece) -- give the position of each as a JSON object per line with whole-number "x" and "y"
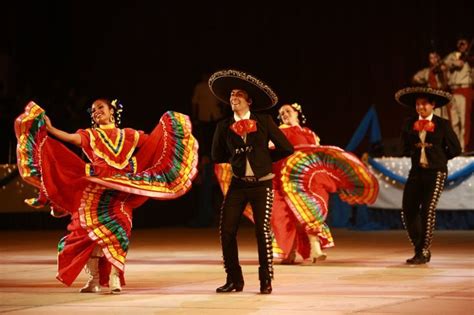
{"x": 176, "y": 271}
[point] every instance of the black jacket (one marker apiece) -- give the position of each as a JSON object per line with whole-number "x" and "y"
{"x": 445, "y": 144}
{"x": 228, "y": 147}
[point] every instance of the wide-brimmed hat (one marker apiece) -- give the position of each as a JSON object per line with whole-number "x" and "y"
{"x": 223, "y": 82}
{"x": 408, "y": 96}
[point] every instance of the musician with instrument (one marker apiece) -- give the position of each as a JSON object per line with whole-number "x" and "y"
{"x": 460, "y": 84}
{"x": 433, "y": 76}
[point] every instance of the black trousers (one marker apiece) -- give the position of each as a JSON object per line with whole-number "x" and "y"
{"x": 420, "y": 197}
{"x": 260, "y": 197}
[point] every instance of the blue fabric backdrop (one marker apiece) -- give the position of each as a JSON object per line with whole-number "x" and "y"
{"x": 362, "y": 217}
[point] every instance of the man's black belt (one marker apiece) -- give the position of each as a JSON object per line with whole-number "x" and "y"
{"x": 248, "y": 179}
{"x": 254, "y": 179}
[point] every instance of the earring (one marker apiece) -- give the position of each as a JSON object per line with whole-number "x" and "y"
{"x": 303, "y": 119}
{"x": 112, "y": 119}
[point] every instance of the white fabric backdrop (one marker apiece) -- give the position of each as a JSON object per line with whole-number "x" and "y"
{"x": 460, "y": 197}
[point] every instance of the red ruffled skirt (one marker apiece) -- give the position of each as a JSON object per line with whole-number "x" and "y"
{"x": 302, "y": 185}
{"x": 101, "y": 207}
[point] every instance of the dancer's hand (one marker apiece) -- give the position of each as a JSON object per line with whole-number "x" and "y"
{"x": 48, "y": 124}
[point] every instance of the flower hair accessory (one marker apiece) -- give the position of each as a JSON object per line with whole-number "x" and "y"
{"x": 117, "y": 105}
{"x": 301, "y": 116}
{"x": 296, "y": 106}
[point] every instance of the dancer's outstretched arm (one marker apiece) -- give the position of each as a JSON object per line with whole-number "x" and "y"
{"x": 73, "y": 138}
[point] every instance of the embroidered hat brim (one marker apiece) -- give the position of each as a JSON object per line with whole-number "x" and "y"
{"x": 408, "y": 96}
{"x": 223, "y": 82}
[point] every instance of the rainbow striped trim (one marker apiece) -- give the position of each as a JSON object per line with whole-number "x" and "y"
{"x": 101, "y": 214}
{"x": 115, "y": 148}
{"x": 172, "y": 174}
{"x": 30, "y": 132}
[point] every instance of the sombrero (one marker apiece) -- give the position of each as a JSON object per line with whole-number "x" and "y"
{"x": 408, "y": 96}
{"x": 223, "y": 82}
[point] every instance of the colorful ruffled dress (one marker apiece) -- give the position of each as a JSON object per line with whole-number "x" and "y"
{"x": 302, "y": 185}
{"x": 126, "y": 168}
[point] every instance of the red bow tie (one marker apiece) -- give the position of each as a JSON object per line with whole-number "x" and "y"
{"x": 244, "y": 126}
{"x": 424, "y": 124}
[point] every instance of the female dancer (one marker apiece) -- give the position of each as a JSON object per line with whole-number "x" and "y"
{"x": 126, "y": 168}
{"x": 302, "y": 185}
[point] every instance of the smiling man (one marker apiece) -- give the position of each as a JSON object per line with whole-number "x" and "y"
{"x": 430, "y": 142}
{"x": 242, "y": 140}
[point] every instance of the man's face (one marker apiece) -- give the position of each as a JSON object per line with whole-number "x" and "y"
{"x": 239, "y": 100}
{"x": 434, "y": 59}
{"x": 423, "y": 107}
{"x": 462, "y": 45}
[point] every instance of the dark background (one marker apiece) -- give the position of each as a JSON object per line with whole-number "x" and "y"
{"x": 336, "y": 59}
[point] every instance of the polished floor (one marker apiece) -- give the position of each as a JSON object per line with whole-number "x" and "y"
{"x": 176, "y": 271}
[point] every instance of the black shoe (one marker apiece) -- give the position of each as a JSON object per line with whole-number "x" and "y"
{"x": 230, "y": 286}
{"x": 265, "y": 286}
{"x": 411, "y": 260}
{"x": 419, "y": 259}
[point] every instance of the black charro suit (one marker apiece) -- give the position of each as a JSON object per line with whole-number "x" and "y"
{"x": 425, "y": 184}
{"x": 228, "y": 147}
{"x": 445, "y": 144}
